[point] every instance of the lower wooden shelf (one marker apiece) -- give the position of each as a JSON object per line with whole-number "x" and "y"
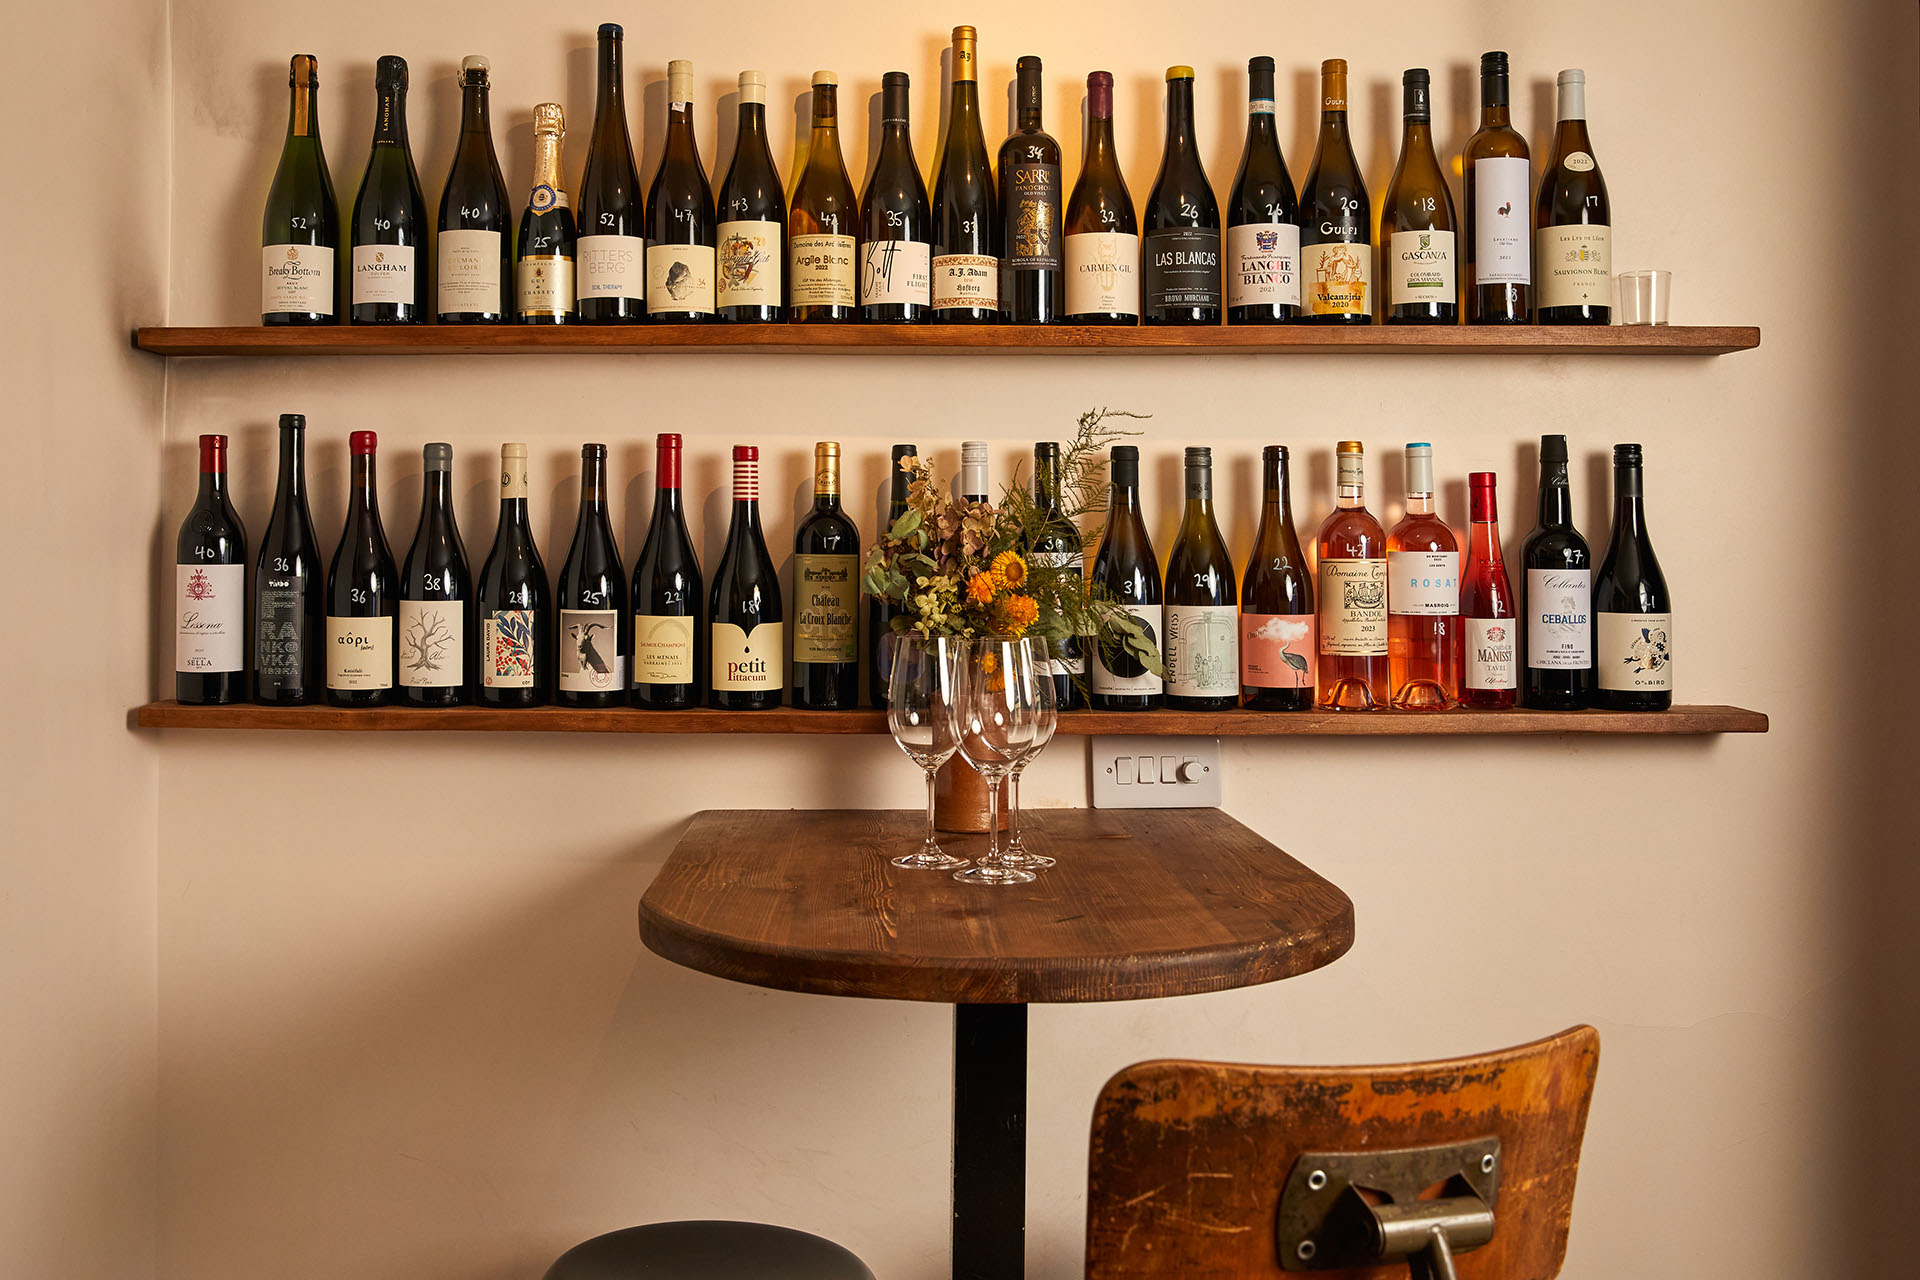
{"x": 1680, "y": 720}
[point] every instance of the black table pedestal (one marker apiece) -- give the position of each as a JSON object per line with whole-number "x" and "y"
{"x": 989, "y": 1141}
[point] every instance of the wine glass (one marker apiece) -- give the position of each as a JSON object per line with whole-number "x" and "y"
{"x": 1047, "y": 704}
{"x": 918, "y": 692}
{"x": 996, "y": 714}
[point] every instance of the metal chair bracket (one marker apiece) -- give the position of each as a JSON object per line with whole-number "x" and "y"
{"x": 1361, "y": 1208}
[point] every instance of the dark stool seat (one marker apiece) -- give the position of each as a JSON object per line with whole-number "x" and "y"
{"x": 708, "y": 1251}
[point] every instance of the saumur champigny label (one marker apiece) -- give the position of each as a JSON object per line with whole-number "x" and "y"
{"x": 469, "y": 277}
{"x": 1491, "y": 653}
{"x": 1421, "y": 267}
{"x": 1103, "y": 274}
{"x": 296, "y": 278}
{"x": 1502, "y": 214}
{"x": 433, "y": 644}
{"x": 1182, "y": 267}
{"x": 966, "y": 280}
{"x": 1277, "y": 650}
{"x": 1575, "y": 261}
{"x": 611, "y": 267}
{"x": 749, "y": 662}
{"x": 662, "y": 649}
{"x": 680, "y": 277}
{"x": 383, "y": 273}
{"x": 359, "y": 653}
{"x": 826, "y": 619}
{"x": 1634, "y": 651}
{"x": 1353, "y": 608}
{"x": 896, "y": 272}
{"x": 1263, "y": 265}
{"x": 1559, "y": 630}
{"x": 748, "y": 273}
{"x": 590, "y": 660}
{"x": 1127, "y": 674}
{"x": 820, "y": 271}
{"x": 1202, "y": 652}
{"x": 209, "y": 606}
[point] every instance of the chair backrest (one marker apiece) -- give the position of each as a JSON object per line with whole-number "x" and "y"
{"x": 1189, "y": 1158}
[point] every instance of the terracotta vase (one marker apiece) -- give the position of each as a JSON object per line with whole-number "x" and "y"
{"x": 960, "y": 798}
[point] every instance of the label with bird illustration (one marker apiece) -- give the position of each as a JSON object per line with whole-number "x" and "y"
{"x": 590, "y": 659}
{"x": 1503, "y": 221}
{"x": 1277, "y": 650}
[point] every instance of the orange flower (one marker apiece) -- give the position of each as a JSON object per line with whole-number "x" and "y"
{"x": 1010, "y": 569}
{"x": 1014, "y": 614}
{"x": 982, "y": 586}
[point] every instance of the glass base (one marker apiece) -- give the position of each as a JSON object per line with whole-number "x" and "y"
{"x": 1021, "y": 858}
{"x": 931, "y": 858}
{"x": 987, "y": 873}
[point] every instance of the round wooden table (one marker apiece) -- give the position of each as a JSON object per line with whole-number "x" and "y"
{"x": 1143, "y": 904}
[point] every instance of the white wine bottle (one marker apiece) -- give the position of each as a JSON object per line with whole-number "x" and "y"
{"x": 1573, "y": 247}
{"x": 1416, "y": 220}
{"x": 1126, "y": 570}
{"x": 680, "y": 217}
{"x": 300, "y": 230}
{"x": 1499, "y": 234}
{"x": 612, "y": 250}
{"x": 823, "y": 221}
{"x": 1336, "y": 247}
{"x": 1203, "y": 624}
{"x": 474, "y": 266}
{"x": 389, "y": 215}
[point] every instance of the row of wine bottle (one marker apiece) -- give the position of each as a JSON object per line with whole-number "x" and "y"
{"x": 977, "y": 250}
{"x": 1397, "y": 621}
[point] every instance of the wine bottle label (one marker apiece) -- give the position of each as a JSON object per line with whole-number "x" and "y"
{"x": 382, "y": 273}
{"x": 820, "y": 271}
{"x": 1492, "y": 654}
{"x": 544, "y": 285}
{"x": 1126, "y": 674}
{"x": 1278, "y": 651}
{"x": 1353, "y": 608}
{"x": 1202, "y": 650}
{"x": 296, "y": 278}
{"x": 662, "y": 649}
{"x": 590, "y": 660}
{"x": 749, "y": 663}
{"x": 433, "y": 644}
{"x": 209, "y": 618}
{"x": 280, "y": 639}
{"x": 1579, "y": 162}
{"x": 1337, "y": 278}
{"x": 895, "y": 272}
{"x": 680, "y": 277}
{"x": 1033, "y": 216}
{"x": 611, "y": 267}
{"x": 1559, "y": 628}
{"x": 506, "y": 649}
{"x": 1502, "y": 214}
{"x": 1576, "y": 265}
{"x": 1423, "y": 583}
{"x": 1263, "y": 265}
{"x": 1421, "y": 267}
{"x": 826, "y": 593}
{"x": 1065, "y": 657}
{"x": 469, "y": 276}
{"x": 359, "y": 653}
{"x": 748, "y": 274}
{"x": 1181, "y": 266}
{"x": 966, "y": 280}
{"x": 1103, "y": 274}
{"x": 1635, "y": 651}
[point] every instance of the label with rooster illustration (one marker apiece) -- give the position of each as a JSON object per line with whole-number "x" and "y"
{"x": 433, "y": 644}
{"x": 1353, "y": 608}
{"x": 1634, "y": 651}
{"x": 1277, "y": 650}
{"x": 1503, "y": 215}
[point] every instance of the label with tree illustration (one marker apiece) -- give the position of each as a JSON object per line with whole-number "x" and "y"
{"x": 1634, "y": 651}
{"x": 1353, "y": 608}
{"x": 1277, "y": 650}
{"x": 433, "y": 644}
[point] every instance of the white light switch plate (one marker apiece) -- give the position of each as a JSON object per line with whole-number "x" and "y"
{"x": 1156, "y": 773}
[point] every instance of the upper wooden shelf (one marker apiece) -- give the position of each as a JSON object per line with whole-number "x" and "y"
{"x": 1234, "y": 724}
{"x": 420, "y": 340}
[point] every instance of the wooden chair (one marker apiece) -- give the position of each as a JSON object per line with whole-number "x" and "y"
{"x": 1209, "y": 1171}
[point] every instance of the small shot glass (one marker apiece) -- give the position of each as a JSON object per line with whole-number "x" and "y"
{"x": 1643, "y": 296}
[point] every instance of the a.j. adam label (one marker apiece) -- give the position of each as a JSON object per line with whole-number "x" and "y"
{"x": 1263, "y": 265}
{"x": 1503, "y": 215}
{"x": 820, "y": 271}
{"x": 383, "y": 273}
{"x": 662, "y": 649}
{"x": 1353, "y": 608}
{"x": 1277, "y": 650}
{"x": 611, "y": 267}
{"x": 1121, "y": 672}
{"x": 1559, "y": 626}
{"x": 1575, "y": 265}
{"x": 1337, "y": 278}
{"x": 209, "y": 606}
{"x": 1492, "y": 653}
{"x": 746, "y": 661}
{"x": 1103, "y": 274}
{"x": 826, "y": 617}
{"x": 1421, "y": 267}
{"x": 359, "y": 653}
{"x": 296, "y": 278}
{"x": 433, "y": 644}
{"x": 966, "y": 280}
{"x": 1202, "y": 653}
{"x": 1181, "y": 268}
{"x": 896, "y": 273}
{"x": 1634, "y": 651}
{"x": 589, "y": 656}
{"x": 1426, "y": 583}
{"x": 544, "y": 285}
{"x": 468, "y": 281}
{"x": 748, "y": 271}
{"x": 680, "y": 277}
{"x": 507, "y": 649}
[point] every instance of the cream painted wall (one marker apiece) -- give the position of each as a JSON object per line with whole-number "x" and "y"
{"x": 406, "y": 1027}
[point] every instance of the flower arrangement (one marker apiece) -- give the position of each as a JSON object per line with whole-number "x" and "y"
{"x": 960, "y": 568}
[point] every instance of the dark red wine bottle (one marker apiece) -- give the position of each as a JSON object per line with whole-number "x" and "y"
{"x": 210, "y": 591}
{"x": 362, "y": 593}
{"x": 669, "y": 642}
{"x": 513, "y": 649}
{"x": 289, "y": 616}
{"x": 436, "y": 596}
{"x": 592, "y": 610}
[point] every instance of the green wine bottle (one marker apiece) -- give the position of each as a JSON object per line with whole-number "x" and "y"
{"x": 389, "y": 215}
{"x": 300, "y": 230}
{"x": 475, "y": 245}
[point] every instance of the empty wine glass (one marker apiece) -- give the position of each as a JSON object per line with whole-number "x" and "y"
{"x": 996, "y": 712}
{"x": 1047, "y": 718}
{"x": 919, "y": 689}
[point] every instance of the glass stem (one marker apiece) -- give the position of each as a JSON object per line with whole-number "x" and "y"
{"x": 1013, "y": 810}
{"x": 930, "y": 801}
{"x": 993, "y": 822}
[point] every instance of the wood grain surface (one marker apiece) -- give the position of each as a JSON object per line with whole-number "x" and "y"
{"x": 1142, "y": 904}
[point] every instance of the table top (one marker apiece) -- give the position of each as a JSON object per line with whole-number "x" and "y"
{"x": 1142, "y": 904}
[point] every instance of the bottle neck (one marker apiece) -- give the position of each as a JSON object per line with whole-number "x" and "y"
{"x": 303, "y": 113}
{"x": 1199, "y": 489}
{"x": 360, "y": 484}
{"x": 1126, "y": 491}
{"x": 593, "y": 484}
{"x": 1485, "y": 533}
{"x": 826, "y": 116}
{"x": 1629, "y": 511}
{"x": 436, "y": 494}
{"x": 897, "y": 492}
{"x": 513, "y": 491}
{"x": 611, "y": 105}
{"x": 1570, "y": 136}
{"x": 293, "y": 462}
{"x": 753, "y": 125}
{"x": 1276, "y": 496}
{"x": 390, "y": 122}
{"x": 1556, "y": 499}
{"x": 1179, "y": 116}
{"x": 1351, "y": 470}
{"x": 546, "y": 161}
{"x": 1260, "y": 103}
{"x": 1416, "y": 136}
{"x": 826, "y": 484}
{"x": 1333, "y": 105}
{"x": 1046, "y": 484}
{"x": 1027, "y": 99}
{"x": 474, "y": 113}
{"x": 1099, "y": 140}
{"x": 213, "y": 486}
{"x": 1494, "y": 111}
{"x": 680, "y": 129}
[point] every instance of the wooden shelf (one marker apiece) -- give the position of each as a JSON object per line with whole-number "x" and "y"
{"x": 420, "y": 340}
{"x": 1226, "y": 724}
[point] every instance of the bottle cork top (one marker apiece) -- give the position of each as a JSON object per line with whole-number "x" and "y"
{"x": 361, "y": 443}
{"x": 825, "y": 80}
{"x": 390, "y": 71}
{"x": 611, "y": 29}
{"x": 549, "y": 117}
{"x": 304, "y": 71}
{"x": 513, "y": 451}
{"x": 679, "y": 81}
{"x": 438, "y": 457}
{"x": 1349, "y": 446}
{"x": 298, "y": 421}
{"x": 1179, "y": 73}
{"x": 475, "y": 62}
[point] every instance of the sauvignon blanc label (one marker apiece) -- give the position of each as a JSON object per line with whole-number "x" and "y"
{"x": 280, "y": 639}
{"x": 680, "y": 277}
{"x": 1492, "y": 653}
{"x": 611, "y": 267}
{"x": 544, "y": 285}
{"x": 966, "y": 280}
{"x": 383, "y": 273}
{"x": 506, "y": 649}
{"x": 749, "y": 662}
{"x": 1103, "y": 274}
{"x": 1337, "y": 278}
{"x": 1559, "y": 628}
{"x": 209, "y": 610}
{"x": 1423, "y": 583}
{"x": 1635, "y": 651}
{"x": 1421, "y": 267}
{"x": 826, "y": 619}
{"x": 1121, "y": 672}
{"x": 296, "y": 278}
{"x": 820, "y": 271}
{"x": 469, "y": 276}
{"x": 1263, "y": 265}
{"x": 1277, "y": 650}
{"x": 1502, "y": 212}
{"x": 1576, "y": 265}
{"x": 433, "y": 644}
{"x": 748, "y": 273}
{"x": 1353, "y": 608}
{"x": 590, "y": 659}
{"x": 896, "y": 273}
{"x": 1181, "y": 266}
{"x": 359, "y": 653}
{"x": 1202, "y": 653}
{"x": 662, "y": 649}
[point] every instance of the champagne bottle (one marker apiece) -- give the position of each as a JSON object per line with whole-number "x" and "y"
{"x": 896, "y": 246}
{"x": 1263, "y": 218}
{"x": 966, "y": 223}
{"x": 362, "y": 593}
{"x": 747, "y": 624}
{"x": 1102, "y": 234}
{"x": 1559, "y": 582}
{"x": 1057, "y": 551}
{"x": 210, "y": 591}
{"x": 669, "y": 642}
{"x": 1573, "y": 245}
{"x": 826, "y": 595}
{"x": 1203, "y": 627}
{"x": 300, "y": 229}
{"x": 1180, "y": 258}
{"x": 1490, "y": 679}
{"x": 1032, "y": 272}
{"x": 1126, "y": 570}
{"x": 1632, "y": 612}
{"x": 822, "y": 221}
{"x": 1351, "y": 559}
{"x": 880, "y": 611}
{"x": 289, "y": 617}
{"x": 436, "y": 595}
{"x": 591, "y": 613}
{"x": 1278, "y": 647}
{"x": 543, "y": 278}
{"x": 513, "y": 645}
{"x": 1336, "y": 247}
{"x": 475, "y": 246}
{"x": 680, "y": 219}
{"x": 612, "y": 249}
{"x": 1497, "y": 177}
{"x": 752, "y": 214}
{"x": 1416, "y": 220}
{"x": 389, "y": 215}
{"x": 1423, "y": 597}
